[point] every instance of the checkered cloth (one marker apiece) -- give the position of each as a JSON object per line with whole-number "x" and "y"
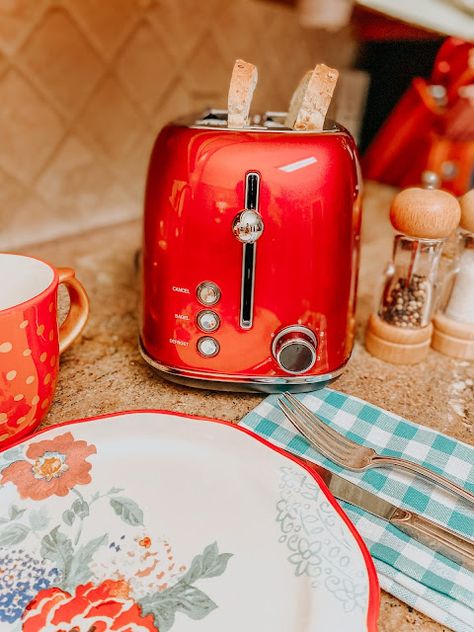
{"x": 421, "y": 578}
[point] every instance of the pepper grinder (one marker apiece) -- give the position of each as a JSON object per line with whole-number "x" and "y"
{"x": 400, "y": 332}
{"x": 453, "y": 332}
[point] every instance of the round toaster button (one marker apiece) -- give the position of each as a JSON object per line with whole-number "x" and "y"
{"x": 208, "y": 293}
{"x": 208, "y": 347}
{"x": 208, "y": 320}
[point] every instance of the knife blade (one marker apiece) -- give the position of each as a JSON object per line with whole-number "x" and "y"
{"x": 436, "y": 537}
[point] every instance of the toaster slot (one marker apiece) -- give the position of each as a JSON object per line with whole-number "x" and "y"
{"x": 213, "y": 118}
{"x": 248, "y": 281}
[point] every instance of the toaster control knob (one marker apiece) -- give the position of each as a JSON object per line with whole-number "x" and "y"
{"x": 248, "y": 226}
{"x": 208, "y": 293}
{"x": 294, "y": 348}
{"x": 208, "y": 347}
{"x": 208, "y": 320}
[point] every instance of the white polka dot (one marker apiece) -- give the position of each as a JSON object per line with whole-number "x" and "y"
{"x": 52, "y": 362}
{"x": 3, "y": 417}
{"x": 11, "y": 375}
{"x": 21, "y": 420}
{"x": 30, "y": 379}
{"x": 24, "y": 324}
{"x": 27, "y": 352}
{"x": 35, "y": 400}
{"x": 47, "y": 379}
{"x": 5, "y": 347}
{"x": 45, "y": 404}
{"x": 43, "y": 356}
{"x": 18, "y": 397}
{"x": 40, "y": 330}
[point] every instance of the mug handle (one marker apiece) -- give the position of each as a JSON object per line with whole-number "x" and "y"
{"x": 78, "y": 309}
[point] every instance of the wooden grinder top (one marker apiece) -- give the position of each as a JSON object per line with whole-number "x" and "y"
{"x": 467, "y": 211}
{"x": 426, "y": 213}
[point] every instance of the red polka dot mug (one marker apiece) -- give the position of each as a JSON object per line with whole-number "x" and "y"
{"x": 30, "y": 339}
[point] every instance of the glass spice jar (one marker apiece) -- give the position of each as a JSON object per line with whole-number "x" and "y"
{"x": 408, "y": 297}
{"x": 454, "y": 324}
{"x": 400, "y": 331}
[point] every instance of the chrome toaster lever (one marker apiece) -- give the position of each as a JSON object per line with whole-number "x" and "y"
{"x": 247, "y": 227}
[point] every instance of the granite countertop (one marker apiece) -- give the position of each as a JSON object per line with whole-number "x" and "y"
{"x": 104, "y": 373}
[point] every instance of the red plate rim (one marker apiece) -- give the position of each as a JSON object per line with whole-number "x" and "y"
{"x": 374, "y": 588}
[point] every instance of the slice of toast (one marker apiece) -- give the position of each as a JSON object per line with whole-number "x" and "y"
{"x": 311, "y": 99}
{"x": 241, "y": 89}
{"x": 297, "y": 98}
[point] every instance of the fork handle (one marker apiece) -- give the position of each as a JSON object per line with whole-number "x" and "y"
{"x": 436, "y": 537}
{"x": 379, "y": 461}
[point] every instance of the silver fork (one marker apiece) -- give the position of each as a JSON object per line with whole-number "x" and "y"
{"x": 349, "y": 454}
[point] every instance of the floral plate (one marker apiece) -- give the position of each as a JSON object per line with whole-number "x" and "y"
{"x": 147, "y": 521}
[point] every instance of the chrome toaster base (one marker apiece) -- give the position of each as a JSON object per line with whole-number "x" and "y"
{"x": 243, "y": 384}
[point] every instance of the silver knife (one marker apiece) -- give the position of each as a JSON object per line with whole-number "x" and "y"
{"x": 434, "y": 536}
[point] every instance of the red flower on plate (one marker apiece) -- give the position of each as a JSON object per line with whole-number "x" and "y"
{"x": 53, "y": 468}
{"x": 102, "y": 608}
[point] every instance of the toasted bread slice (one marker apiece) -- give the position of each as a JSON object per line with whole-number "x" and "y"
{"x": 297, "y": 98}
{"x": 311, "y": 100}
{"x": 241, "y": 89}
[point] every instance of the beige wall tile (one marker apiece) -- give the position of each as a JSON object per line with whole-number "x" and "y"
{"x": 145, "y": 67}
{"x": 60, "y": 58}
{"x": 29, "y": 128}
{"x": 3, "y": 63}
{"x": 182, "y": 22}
{"x": 107, "y": 22}
{"x": 207, "y": 71}
{"x": 17, "y": 18}
{"x": 112, "y": 119}
{"x": 21, "y": 207}
{"x": 79, "y": 183}
{"x": 85, "y": 85}
{"x": 134, "y": 167}
{"x": 176, "y": 103}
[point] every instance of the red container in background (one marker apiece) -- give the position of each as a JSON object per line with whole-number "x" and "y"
{"x": 431, "y": 128}
{"x": 250, "y": 254}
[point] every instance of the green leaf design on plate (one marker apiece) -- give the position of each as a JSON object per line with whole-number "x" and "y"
{"x": 9, "y": 456}
{"x": 128, "y": 510}
{"x": 68, "y": 517}
{"x": 79, "y": 570}
{"x": 192, "y": 601}
{"x": 80, "y": 508}
{"x": 184, "y": 596}
{"x": 163, "y": 611}
{"x": 38, "y": 519}
{"x": 15, "y": 512}
{"x": 209, "y": 564}
{"x": 57, "y": 547}
{"x": 115, "y": 490}
{"x": 13, "y": 534}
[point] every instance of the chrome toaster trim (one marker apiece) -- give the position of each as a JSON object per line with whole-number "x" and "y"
{"x": 251, "y": 203}
{"x": 242, "y": 383}
{"x": 216, "y": 119}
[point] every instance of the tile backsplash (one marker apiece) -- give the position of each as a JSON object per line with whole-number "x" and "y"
{"x": 85, "y": 85}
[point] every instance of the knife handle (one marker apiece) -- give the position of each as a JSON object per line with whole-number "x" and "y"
{"x": 434, "y": 536}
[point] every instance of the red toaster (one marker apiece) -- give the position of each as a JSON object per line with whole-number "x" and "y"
{"x": 250, "y": 254}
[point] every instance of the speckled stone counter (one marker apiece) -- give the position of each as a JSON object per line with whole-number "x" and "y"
{"x": 104, "y": 372}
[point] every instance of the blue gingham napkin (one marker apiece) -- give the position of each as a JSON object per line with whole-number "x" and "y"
{"x": 421, "y": 578}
